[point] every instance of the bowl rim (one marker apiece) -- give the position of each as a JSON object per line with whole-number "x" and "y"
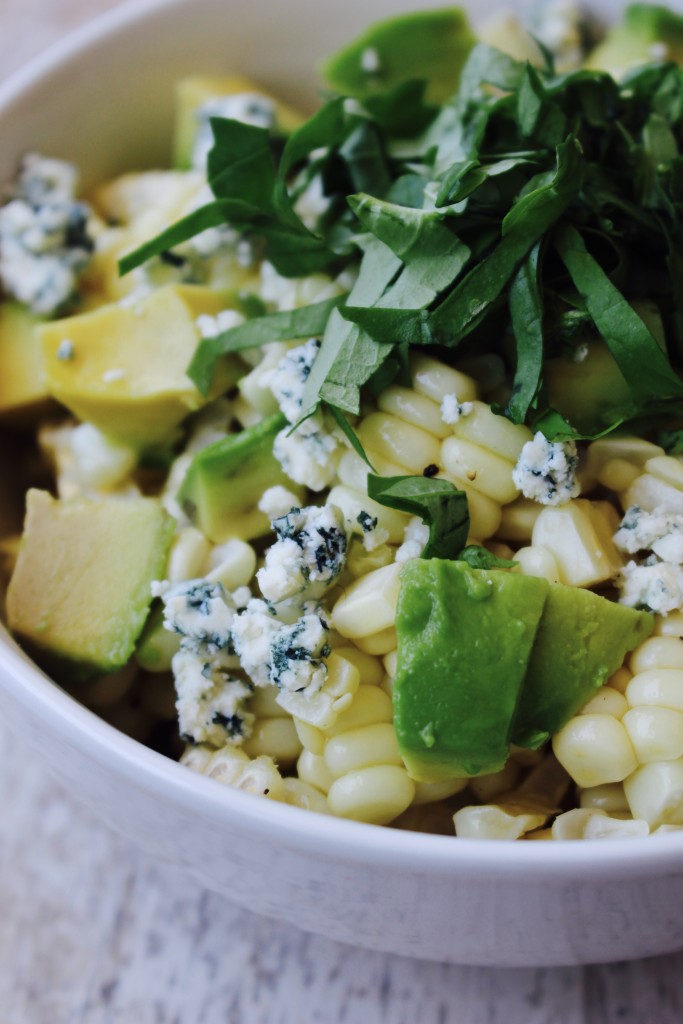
{"x": 196, "y": 794}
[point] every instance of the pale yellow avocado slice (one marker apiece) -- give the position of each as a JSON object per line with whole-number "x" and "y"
{"x": 80, "y": 592}
{"x": 23, "y": 391}
{"x": 193, "y": 91}
{"x": 127, "y": 373}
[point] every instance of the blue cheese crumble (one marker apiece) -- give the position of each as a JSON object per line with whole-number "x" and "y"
{"x": 308, "y": 556}
{"x": 309, "y": 453}
{"x": 211, "y": 702}
{"x": 660, "y": 532}
{"x": 44, "y": 240}
{"x": 248, "y": 107}
{"x": 654, "y": 586}
{"x": 546, "y": 471}
{"x": 452, "y": 410}
{"x": 200, "y": 611}
{"x": 415, "y": 540}
{"x": 290, "y": 655}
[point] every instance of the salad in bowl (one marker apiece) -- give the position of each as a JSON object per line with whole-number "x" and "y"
{"x": 350, "y": 445}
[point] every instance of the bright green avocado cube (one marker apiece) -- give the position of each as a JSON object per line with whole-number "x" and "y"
{"x": 225, "y": 481}
{"x": 464, "y": 640}
{"x": 581, "y": 640}
{"x": 23, "y": 391}
{"x": 430, "y": 45}
{"x": 80, "y": 592}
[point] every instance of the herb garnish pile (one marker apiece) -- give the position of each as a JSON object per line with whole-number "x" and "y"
{"x": 529, "y": 209}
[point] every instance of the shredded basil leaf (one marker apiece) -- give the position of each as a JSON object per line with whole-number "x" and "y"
{"x": 440, "y": 505}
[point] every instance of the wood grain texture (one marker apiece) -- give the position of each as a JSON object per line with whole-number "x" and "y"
{"x": 92, "y": 932}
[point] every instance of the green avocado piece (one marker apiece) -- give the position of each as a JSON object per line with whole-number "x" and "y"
{"x": 80, "y": 591}
{"x": 223, "y": 485}
{"x": 582, "y": 639}
{"x": 23, "y": 391}
{"x": 430, "y": 45}
{"x": 464, "y": 639}
{"x": 647, "y": 32}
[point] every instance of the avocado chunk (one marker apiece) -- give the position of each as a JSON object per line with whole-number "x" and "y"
{"x": 225, "y": 481}
{"x": 23, "y": 392}
{"x": 431, "y": 45}
{"x": 464, "y": 639}
{"x": 123, "y": 367}
{"x": 80, "y": 592}
{"x": 195, "y": 90}
{"x": 582, "y": 639}
{"x": 647, "y": 32}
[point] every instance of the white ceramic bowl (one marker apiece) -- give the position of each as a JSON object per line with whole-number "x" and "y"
{"x": 103, "y": 99}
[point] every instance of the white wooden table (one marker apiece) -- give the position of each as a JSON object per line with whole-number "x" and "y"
{"x": 92, "y": 932}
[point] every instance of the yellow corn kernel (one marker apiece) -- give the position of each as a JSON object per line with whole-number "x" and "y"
{"x": 518, "y": 518}
{"x": 233, "y": 564}
{"x": 595, "y": 749}
{"x": 655, "y": 793}
{"x": 263, "y": 703}
{"x": 400, "y": 442}
{"x": 369, "y": 669}
{"x": 483, "y": 470}
{"x": 352, "y": 502}
{"x": 259, "y": 776}
{"x": 656, "y": 733}
{"x": 368, "y": 606}
{"x": 369, "y": 706}
{"x": 593, "y": 823}
{"x": 653, "y": 494}
{"x": 657, "y": 652}
{"x": 358, "y": 748}
{"x": 657, "y": 687}
{"x": 537, "y": 561}
{"x": 667, "y": 468}
{"x": 188, "y": 555}
{"x": 312, "y": 739}
{"x": 607, "y": 701}
{"x": 412, "y": 407}
{"x": 573, "y": 533}
{"x": 609, "y": 797}
{"x": 435, "y": 380}
{"x": 618, "y": 475}
{"x": 378, "y": 644}
{"x": 311, "y": 768}
{"x": 276, "y": 737}
{"x": 493, "y": 822}
{"x": 300, "y": 794}
{"x": 495, "y": 433}
{"x": 376, "y": 795}
{"x": 620, "y": 679}
{"x": 669, "y": 625}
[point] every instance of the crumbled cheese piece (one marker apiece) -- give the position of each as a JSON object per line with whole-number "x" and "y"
{"x": 253, "y": 630}
{"x": 580, "y": 353}
{"x": 289, "y": 378}
{"x": 87, "y": 462}
{"x": 290, "y": 655}
{"x": 374, "y": 536}
{"x": 247, "y": 107}
{"x": 308, "y": 455}
{"x": 298, "y": 652}
{"x": 661, "y": 532}
{"x": 307, "y": 557}
{"x": 655, "y": 586}
{"x": 282, "y": 293}
{"x": 44, "y": 240}
{"x": 211, "y": 702}
{"x": 415, "y": 540}
{"x": 210, "y": 326}
{"x": 277, "y": 501}
{"x": 66, "y": 350}
{"x": 546, "y": 471}
{"x": 452, "y": 409}
{"x": 659, "y": 50}
{"x": 201, "y": 612}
